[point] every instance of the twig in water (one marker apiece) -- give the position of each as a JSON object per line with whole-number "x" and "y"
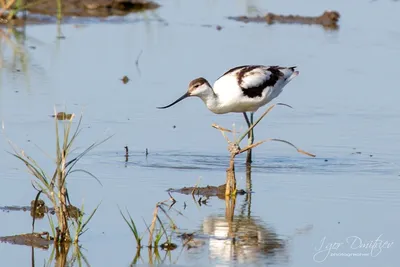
{"x": 126, "y": 153}
{"x": 195, "y": 187}
{"x": 172, "y": 199}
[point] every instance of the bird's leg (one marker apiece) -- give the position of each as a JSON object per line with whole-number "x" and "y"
{"x": 248, "y": 125}
{"x": 247, "y": 119}
{"x": 250, "y": 135}
{"x": 252, "y": 130}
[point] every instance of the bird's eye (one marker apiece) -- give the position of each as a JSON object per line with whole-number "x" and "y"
{"x": 197, "y": 85}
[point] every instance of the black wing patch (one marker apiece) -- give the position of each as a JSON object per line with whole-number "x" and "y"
{"x": 266, "y": 79}
{"x": 236, "y": 68}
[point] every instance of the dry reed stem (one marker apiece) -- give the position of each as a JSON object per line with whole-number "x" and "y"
{"x": 230, "y": 203}
{"x": 2, "y": 3}
{"x": 6, "y": 5}
{"x": 230, "y": 183}
{"x": 301, "y": 151}
{"x": 234, "y": 149}
{"x": 173, "y": 225}
{"x": 156, "y": 218}
{"x": 172, "y": 199}
{"x": 259, "y": 119}
{"x": 222, "y": 129}
{"x": 153, "y": 226}
{"x": 195, "y": 186}
{"x": 61, "y": 254}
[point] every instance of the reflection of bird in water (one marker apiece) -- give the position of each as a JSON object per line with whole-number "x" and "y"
{"x": 244, "y": 240}
{"x": 241, "y": 89}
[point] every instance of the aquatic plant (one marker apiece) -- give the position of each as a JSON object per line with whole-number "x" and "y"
{"x": 133, "y": 228}
{"x": 5, "y": 5}
{"x": 11, "y": 8}
{"x": 235, "y": 149}
{"x": 54, "y": 187}
{"x": 155, "y": 233}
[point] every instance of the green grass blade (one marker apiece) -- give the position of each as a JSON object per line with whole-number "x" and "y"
{"x": 33, "y": 170}
{"x": 159, "y": 235}
{"x": 88, "y": 220}
{"x": 76, "y": 133}
{"x": 51, "y": 222}
{"x": 72, "y": 162}
{"x": 162, "y": 227}
{"x": 132, "y": 226}
{"x": 88, "y": 173}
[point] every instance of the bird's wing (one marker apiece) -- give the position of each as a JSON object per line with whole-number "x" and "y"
{"x": 233, "y": 71}
{"x": 255, "y": 79}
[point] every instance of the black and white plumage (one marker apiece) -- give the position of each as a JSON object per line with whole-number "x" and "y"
{"x": 241, "y": 89}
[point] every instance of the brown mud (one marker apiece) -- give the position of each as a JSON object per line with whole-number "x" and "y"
{"x": 207, "y": 191}
{"x": 42, "y": 209}
{"x": 61, "y": 116}
{"x": 77, "y": 8}
{"x": 37, "y": 240}
{"x": 329, "y": 19}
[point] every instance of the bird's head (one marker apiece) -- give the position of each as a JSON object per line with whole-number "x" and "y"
{"x": 198, "y": 87}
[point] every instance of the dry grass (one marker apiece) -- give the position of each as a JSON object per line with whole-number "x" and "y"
{"x": 235, "y": 149}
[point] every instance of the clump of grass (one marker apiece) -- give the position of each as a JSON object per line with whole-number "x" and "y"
{"x": 54, "y": 186}
{"x": 235, "y": 149}
{"x": 157, "y": 229}
{"x": 81, "y": 224}
{"x": 133, "y": 228}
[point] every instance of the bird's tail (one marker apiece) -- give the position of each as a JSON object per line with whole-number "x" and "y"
{"x": 289, "y": 73}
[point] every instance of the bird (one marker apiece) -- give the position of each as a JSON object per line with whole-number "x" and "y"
{"x": 241, "y": 89}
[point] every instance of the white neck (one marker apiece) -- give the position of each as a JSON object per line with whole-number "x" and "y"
{"x": 211, "y": 100}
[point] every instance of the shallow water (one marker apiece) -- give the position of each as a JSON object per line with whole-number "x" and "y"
{"x": 345, "y": 111}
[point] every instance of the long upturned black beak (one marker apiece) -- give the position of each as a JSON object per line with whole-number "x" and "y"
{"x": 176, "y": 101}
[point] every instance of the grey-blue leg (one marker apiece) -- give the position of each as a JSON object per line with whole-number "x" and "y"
{"x": 249, "y": 123}
{"x": 247, "y": 119}
{"x": 252, "y": 131}
{"x": 250, "y": 135}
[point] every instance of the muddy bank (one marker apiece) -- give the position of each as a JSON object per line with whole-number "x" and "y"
{"x": 207, "y": 191}
{"x": 37, "y": 240}
{"x": 92, "y": 8}
{"x": 329, "y": 19}
{"x": 41, "y": 209}
{"x": 85, "y": 8}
